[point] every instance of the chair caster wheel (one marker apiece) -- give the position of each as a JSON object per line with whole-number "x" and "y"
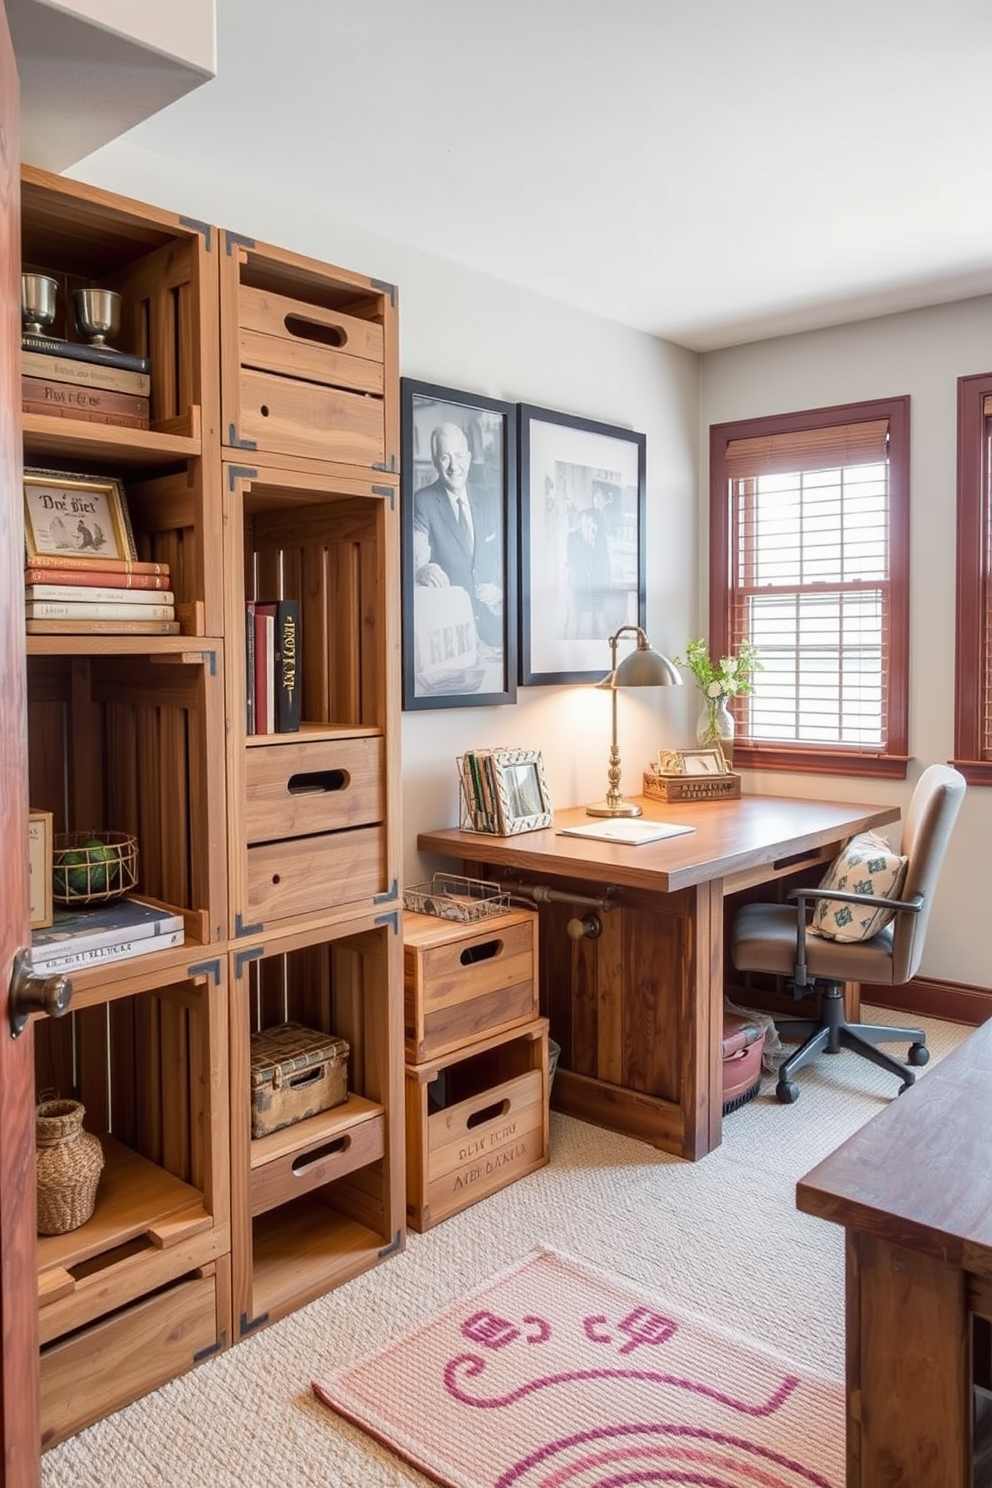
{"x": 918, "y": 1054}
{"x": 787, "y": 1091}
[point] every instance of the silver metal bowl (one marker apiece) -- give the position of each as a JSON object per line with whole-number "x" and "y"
{"x": 98, "y": 314}
{"x": 38, "y": 294}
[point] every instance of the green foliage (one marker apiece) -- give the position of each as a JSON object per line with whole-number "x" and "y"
{"x": 729, "y": 677}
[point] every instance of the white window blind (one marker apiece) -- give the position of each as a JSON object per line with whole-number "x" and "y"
{"x": 810, "y": 583}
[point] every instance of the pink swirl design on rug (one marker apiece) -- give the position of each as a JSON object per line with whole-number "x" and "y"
{"x": 471, "y": 1365}
{"x": 764, "y": 1473}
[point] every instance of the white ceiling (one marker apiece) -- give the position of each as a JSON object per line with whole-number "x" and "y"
{"x": 711, "y": 171}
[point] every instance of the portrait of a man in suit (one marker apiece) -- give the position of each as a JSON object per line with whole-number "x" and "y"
{"x": 458, "y": 534}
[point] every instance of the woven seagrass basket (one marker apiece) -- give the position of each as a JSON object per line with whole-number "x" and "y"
{"x": 68, "y": 1161}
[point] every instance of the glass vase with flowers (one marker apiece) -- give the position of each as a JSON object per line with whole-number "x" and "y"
{"x": 719, "y": 681}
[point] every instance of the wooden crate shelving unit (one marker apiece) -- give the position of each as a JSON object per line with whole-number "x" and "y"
{"x": 310, "y": 428}
{"x": 288, "y": 883}
{"x": 127, "y": 733}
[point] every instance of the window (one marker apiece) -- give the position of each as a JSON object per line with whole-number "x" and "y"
{"x": 809, "y": 560}
{"x": 973, "y": 682}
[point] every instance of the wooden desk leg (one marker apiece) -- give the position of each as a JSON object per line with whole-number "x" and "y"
{"x": 908, "y": 1369}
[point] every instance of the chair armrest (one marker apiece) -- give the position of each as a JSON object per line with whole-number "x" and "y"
{"x": 803, "y": 896}
{"x": 911, "y": 906}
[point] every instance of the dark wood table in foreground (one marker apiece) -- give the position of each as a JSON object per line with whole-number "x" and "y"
{"x": 638, "y": 1010}
{"x": 913, "y": 1190}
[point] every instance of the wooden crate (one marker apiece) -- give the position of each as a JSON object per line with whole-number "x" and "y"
{"x": 475, "y": 1121}
{"x": 310, "y": 360}
{"x": 462, "y": 981}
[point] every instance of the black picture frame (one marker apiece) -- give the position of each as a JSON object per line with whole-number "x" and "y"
{"x": 459, "y": 649}
{"x": 582, "y": 486}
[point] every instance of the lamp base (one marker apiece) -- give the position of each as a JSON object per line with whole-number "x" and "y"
{"x": 622, "y": 808}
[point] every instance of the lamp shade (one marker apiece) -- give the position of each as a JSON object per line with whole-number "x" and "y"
{"x": 646, "y": 667}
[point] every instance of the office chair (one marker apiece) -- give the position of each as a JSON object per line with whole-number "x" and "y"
{"x": 773, "y": 938}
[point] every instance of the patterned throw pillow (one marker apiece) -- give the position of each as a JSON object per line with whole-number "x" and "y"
{"x": 867, "y": 865}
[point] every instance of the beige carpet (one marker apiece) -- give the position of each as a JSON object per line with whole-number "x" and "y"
{"x": 720, "y": 1238}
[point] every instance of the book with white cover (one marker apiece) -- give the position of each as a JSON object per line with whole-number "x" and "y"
{"x": 94, "y": 594}
{"x": 106, "y": 925}
{"x": 104, "y": 955}
{"x": 57, "y": 609}
{"x": 625, "y": 830}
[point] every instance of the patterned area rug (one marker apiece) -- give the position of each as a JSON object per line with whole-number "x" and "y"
{"x": 556, "y": 1375}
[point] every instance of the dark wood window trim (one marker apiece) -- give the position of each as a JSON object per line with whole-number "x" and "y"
{"x": 892, "y": 762}
{"x": 973, "y": 662}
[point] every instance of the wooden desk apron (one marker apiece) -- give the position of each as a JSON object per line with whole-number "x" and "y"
{"x": 638, "y": 1009}
{"x": 913, "y": 1189}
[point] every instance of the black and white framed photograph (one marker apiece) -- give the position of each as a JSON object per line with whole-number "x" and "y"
{"x": 582, "y": 561}
{"x": 459, "y": 538}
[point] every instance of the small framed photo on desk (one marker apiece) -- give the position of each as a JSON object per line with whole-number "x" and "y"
{"x": 701, "y": 762}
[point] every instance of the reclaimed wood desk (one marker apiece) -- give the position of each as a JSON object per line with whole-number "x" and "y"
{"x": 913, "y": 1189}
{"x": 638, "y": 1008}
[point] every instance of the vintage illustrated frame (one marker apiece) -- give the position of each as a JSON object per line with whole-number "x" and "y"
{"x": 459, "y": 647}
{"x": 67, "y": 515}
{"x": 582, "y": 549}
{"x": 702, "y": 761}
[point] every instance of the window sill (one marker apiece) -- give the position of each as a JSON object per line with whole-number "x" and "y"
{"x": 975, "y": 772}
{"x": 823, "y": 762}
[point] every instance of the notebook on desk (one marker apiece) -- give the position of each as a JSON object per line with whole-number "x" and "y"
{"x": 624, "y": 830}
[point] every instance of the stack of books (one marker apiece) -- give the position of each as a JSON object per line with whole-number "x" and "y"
{"x": 272, "y": 675}
{"x": 66, "y": 595}
{"x": 79, "y": 939}
{"x": 69, "y": 379}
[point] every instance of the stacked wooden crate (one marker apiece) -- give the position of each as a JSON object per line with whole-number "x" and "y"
{"x": 477, "y": 1060}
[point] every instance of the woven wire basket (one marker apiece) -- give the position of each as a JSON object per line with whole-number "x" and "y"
{"x": 93, "y": 867}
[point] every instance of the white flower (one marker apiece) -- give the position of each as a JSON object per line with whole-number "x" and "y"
{"x": 714, "y": 690}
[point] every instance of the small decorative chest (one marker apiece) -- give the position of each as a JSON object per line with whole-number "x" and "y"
{"x": 692, "y": 787}
{"x": 295, "y": 1072}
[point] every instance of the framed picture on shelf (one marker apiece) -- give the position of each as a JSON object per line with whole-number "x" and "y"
{"x": 582, "y": 559}
{"x": 459, "y": 540}
{"x": 75, "y": 516}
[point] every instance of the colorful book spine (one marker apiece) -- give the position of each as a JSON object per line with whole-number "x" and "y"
{"x": 100, "y": 594}
{"x": 70, "y": 561}
{"x": 123, "y": 951}
{"x": 265, "y": 626}
{"x": 249, "y": 666}
{"x": 85, "y": 374}
{"x": 91, "y": 609}
{"x": 287, "y": 666}
{"x": 82, "y": 351}
{"x": 102, "y": 627}
{"x": 96, "y": 579}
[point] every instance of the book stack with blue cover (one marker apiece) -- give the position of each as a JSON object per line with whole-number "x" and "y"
{"x": 72, "y": 379}
{"x": 80, "y": 939}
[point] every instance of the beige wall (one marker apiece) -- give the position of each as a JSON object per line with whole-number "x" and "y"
{"x": 470, "y": 331}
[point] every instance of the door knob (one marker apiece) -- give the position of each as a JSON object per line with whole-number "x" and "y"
{"x": 590, "y": 926}
{"x": 33, "y": 992}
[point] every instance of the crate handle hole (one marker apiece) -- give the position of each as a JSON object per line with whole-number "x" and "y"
{"x": 264, "y": 410}
{"x": 308, "y": 1160}
{"x": 312, "y": 782}
{"x": 305, "y": 1077}
{"x": 312, "y": 330}
{"x": 484, "y": 952}
{"x": 489, "y": 1113}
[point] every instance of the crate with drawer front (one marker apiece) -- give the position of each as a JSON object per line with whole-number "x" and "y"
{"x": 476, "y": 1120}
{"x": 464, "y": 980}
{"x": 310, "y": 359}
{"x": 476, "y": 1059}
